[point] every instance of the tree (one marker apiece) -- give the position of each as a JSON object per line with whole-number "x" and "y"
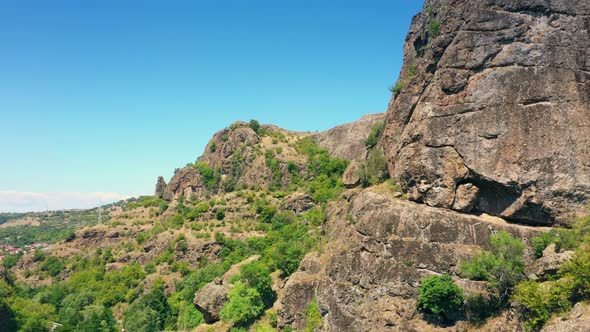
{"x": 502, "y": 267}
{"x": 254, "y": 125}
{"x": 257, "y": 276}
{"x": 140, "y": 318}
{"x": 440, "y": 296}
{"x": 244, "y": 305}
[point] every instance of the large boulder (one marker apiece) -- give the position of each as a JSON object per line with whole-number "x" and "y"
{"x": 496, "y": 94}
{"x": 211, "y": 299}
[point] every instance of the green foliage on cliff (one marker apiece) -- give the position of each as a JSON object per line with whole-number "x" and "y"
{"x": 502, "y": 267}
{"x": 244, "y": 305}
{"x": 440, "y": 296}
{"x": 375, "y": 135}
{"x": 374, "y": 170}
{"x": 313, "y": 319}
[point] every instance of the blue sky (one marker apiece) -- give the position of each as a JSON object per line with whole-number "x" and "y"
{"x": 104, "y": 96}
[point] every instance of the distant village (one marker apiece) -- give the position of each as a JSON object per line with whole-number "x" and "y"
{"x": 15, "y": 250}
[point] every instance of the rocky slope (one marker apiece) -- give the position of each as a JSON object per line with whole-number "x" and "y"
{"x": 496, "y": 95}
{"x": 238, "y": 154}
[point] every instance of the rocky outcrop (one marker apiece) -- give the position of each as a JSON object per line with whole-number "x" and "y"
{"x": 495, "y": 94}
{"x": 238, "y": 157}
{"x": 160, "y": 187}
{"x": 211, "y": 299}
{"x": 214, "y": 295}
{"x": 351, "y": 177}
{"x": 348, "y": 141}
{"x": 366, "y": 278}
{"x": 185, "y": 182}
{"x": 577, "y": 320}
{"x": 298, "y": 203}
{"x": 547, "y": 266}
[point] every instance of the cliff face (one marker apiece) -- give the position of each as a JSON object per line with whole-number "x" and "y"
{"x": 366, "y": 278}
{"x": 495, "y": 94}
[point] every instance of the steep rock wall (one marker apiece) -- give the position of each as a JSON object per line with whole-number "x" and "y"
{"x": 495, "y": 93}
{"x": 366, "y": 277}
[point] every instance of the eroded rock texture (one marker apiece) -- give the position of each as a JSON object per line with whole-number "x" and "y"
{"x": 495, "y": 93}
{"x": 366, "y": 278}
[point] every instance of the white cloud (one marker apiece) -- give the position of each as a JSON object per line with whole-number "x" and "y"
{"x": 14, "y": 201}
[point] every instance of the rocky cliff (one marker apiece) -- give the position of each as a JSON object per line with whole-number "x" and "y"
{"x": 495, "y": 94}
{"x": 366, "y": 277}
{"x": 238, "y": 157}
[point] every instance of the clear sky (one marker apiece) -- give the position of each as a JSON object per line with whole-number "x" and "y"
{"x": 98, "y": 98}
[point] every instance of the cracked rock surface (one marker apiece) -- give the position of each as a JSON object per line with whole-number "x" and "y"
{"x": 366, "y": 277}
{"x": 495, "y": 94}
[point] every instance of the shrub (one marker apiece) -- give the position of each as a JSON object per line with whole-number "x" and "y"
{"x": 375, "y": 135}
{"x": 254, "y": 125}
{"x": 397, "y": 88}
{"x": 257, "y": 276}
{"x": 220, "y": 215}
{"x": 266, "y": 213}
{"x": 542, "y": 241}
{"x": 244, "y": 305}
{"x": 313, "y": 317}
{"x": 531, "y": 302}
{"x": 440, "y": 296}
{"x": 434, "y": 28}
{"x": 502, "y": 267}
{"x": 374, "y": 171}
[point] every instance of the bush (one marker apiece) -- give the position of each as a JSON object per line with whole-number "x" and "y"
{"x": 266, "y": 213}
{"x": 434, "y": 28}
{"x": 375, "y": 135}
{"x": 220, "y": 215}
{"x": 257, "y": 276}
{"x": 440, "y": 296}
{"x": 254, "y": 125}
{"x": 244, "y": 305}
{"x": 313, "y": 318}
{"x": 374, "y": 171}
{"x": 542, "y": 241}
{"x": 531, "y": 302}
{"x": 502, "y": 267}
{"x": 398, "y": 88}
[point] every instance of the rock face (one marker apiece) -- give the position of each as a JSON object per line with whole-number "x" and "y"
{"x": 184, "y": 183}
{"x": 160, "y": 187}
{"x": 348, "y": 141}
{"x": 495, "y": 94}
{"x": 351, "y": 177}
{"x": 366, "y": 279}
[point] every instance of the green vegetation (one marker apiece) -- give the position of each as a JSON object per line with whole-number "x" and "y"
{"x": 375, "y": 135}
{"x": 245, "y": 304}
{"x": 440, "y": 296}
{"x": 374, "y": 171}
{"x": 313, "y": 318}
{"x": 502, "y": 267}
{"x": 148, "y": 201}
{"x": 397, "y": 88}
{"x": 53, "y": 226}
{"x": 254, "y": 125}
{"x": 324, "y": 171}
{"x": 211, "y": 178}
{"x": 434, "y": 28}
{"x": 538, "y": 301}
